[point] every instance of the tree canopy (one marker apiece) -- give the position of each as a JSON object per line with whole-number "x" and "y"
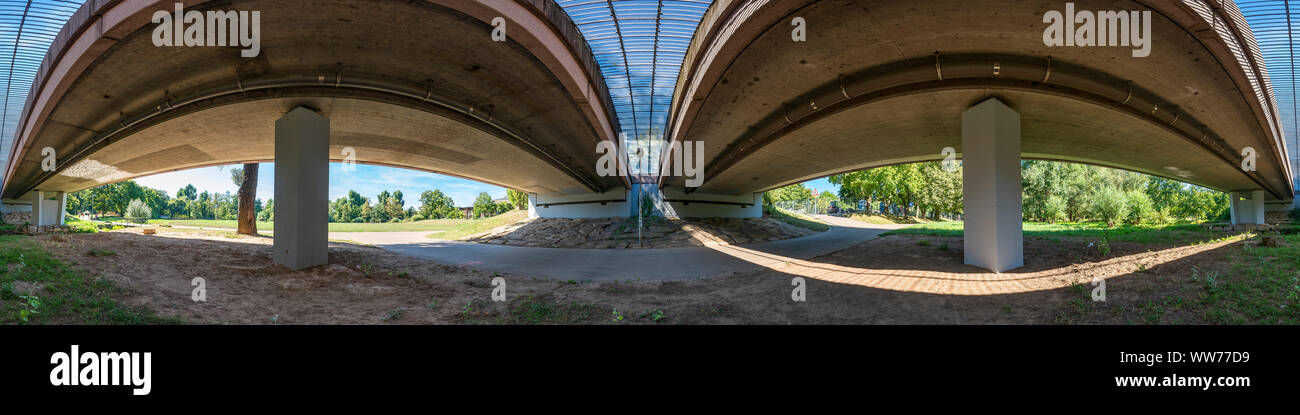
{"x": 1052, "y": 191}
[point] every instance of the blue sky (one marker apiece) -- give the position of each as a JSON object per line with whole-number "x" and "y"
{"x": 365, "y": 179}
{"x": 822, "y": 185}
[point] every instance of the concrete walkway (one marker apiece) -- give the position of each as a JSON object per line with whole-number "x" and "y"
{"x": 623, "y": 264}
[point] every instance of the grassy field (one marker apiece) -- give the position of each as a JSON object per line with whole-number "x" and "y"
{"x": 1263, "y": 286}
{"x": 1263, "y": 281}
{"x": 1181, "y": 234}
{"x": 878, "y": 219}
{"x": 799, "y": 219}
{"x": 448, "y": 226}
{"x": 38, "y": 289}
{"x": 460, "y": 228}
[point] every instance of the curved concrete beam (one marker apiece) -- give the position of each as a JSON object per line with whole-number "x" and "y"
{"x": 744, "y": 77}
{"x": 556, "y": 115}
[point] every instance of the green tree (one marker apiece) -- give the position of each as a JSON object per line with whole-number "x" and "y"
{"x": 188, "y": 192}
{"x": 794, "y": 192}
{"x": 518, "y": 198}
{"x": 484, "y": 206}
{"x": 1140, "y": 207}
{"x": 436, "y": 205}
{"x": 137, "y": 210}
{"x": 396, "y": 207}
{"x": 1110, "y": 206}
{"x": 1053, "y": 209}
{"x": 348, "y": 209}
{"x": 268, "y": 214}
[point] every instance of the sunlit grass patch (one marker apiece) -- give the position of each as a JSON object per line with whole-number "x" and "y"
{"x": 36, "y": 288}
{"x": 460, "y": 228}
{"x": 798, "y": 219}
{"x": 1179, "y": 234}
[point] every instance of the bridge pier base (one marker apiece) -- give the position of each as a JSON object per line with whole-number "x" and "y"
{"x": 990, "y": 141}
{"x": 47, "y": 212}
{"x": 1247, "y": 211}
{"x": 302, "y": 140}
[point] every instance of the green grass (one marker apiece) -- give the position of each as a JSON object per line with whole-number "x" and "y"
{"x": 80, "y": 226}
{"x": 532, "y": 310}
{"x": 459, "y": 227}
{"x": 878, "y": 219}
{"x": 1263, "y": 286}
{"x": 66, "y": 296}
{"x": 1181, "y": 234}
{"x": 798, "y": 219}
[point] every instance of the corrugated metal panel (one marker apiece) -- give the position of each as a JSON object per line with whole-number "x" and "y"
{"x": 27, "y": 28}
{"x": 639, "y": 45}
{"x": 1274, "y": 23}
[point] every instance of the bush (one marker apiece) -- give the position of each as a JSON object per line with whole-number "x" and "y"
{"x": 1161, "y": 216}
{"x": 137, "y": 210}
{"x": 1054, "y": 208}
{"x": 82, "y": 227}
{"x": 1109, "y": 205}
{"x": 1139, "y": 207}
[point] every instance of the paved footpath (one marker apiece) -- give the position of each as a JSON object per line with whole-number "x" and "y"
{"x": 623, "y": 264}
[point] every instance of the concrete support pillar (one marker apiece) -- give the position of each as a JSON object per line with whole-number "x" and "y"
{"x": 38, "y": 208}
{"x": 1247, "y": 211}
{"x": 61, "y": 207}
{"x": 48, "y": 207}
{"x": 990, "y": 140}
{"x": 302, "y": 139}
{"x": 1234, "y": 199}
{"x": 1257, "y": 199}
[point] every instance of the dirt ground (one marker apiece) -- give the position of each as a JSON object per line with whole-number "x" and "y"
{"x": 621, "y": 233}
{"x": 910, "y": 280}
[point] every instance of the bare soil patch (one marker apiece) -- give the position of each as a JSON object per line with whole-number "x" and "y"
{"x": 621, "y": 233}
{"x": 365, "y": 285}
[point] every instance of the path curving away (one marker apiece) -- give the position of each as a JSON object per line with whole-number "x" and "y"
{"x": 624, "y": 264}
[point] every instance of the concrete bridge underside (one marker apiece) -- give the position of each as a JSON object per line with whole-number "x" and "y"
{"x": 421, "y": 84}
{"x": 876, "y": 83}
{"x": 415, "y": 84}
{"x": 886, "y": 82}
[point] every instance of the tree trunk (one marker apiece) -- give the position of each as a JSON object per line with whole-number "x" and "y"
{"x": 248, "y": 200}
